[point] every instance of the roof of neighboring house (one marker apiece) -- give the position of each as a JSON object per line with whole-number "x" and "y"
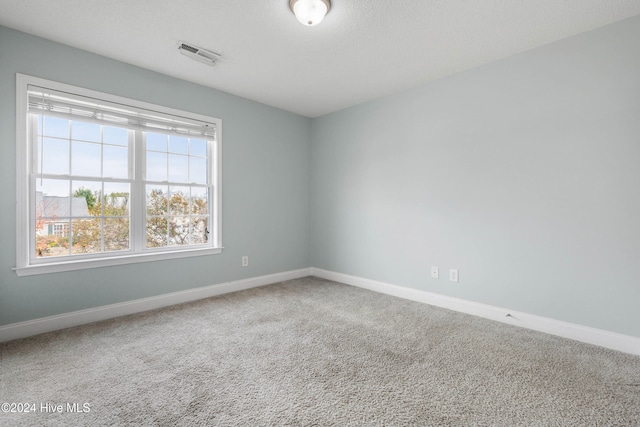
{"x": 60, "y": 207}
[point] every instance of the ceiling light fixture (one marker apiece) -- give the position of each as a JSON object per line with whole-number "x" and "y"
{"x": 310, "y": 12}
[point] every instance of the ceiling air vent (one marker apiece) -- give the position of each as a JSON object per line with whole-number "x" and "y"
{"x": 198, "y": 54}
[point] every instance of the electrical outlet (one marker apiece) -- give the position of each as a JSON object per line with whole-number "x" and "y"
{"x": 453, "y": 275}
{"x": 245, "y": 261}
{"x": 434, "y": 272}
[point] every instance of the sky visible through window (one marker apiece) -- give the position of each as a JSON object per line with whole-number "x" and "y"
{"x": 76, "y": 148}
{"x": 176, "y": 159}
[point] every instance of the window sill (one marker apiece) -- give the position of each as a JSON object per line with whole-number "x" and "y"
{"x": 56, "y": 267}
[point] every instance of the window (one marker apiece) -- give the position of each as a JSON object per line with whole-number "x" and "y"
{"x": 104, "y": 180}
{"x": 60, "y": 229}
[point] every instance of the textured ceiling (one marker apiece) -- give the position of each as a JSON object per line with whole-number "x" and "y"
{"x": 362, "y": 50}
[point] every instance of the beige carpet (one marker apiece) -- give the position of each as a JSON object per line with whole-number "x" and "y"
{"x": 313, "y": 352}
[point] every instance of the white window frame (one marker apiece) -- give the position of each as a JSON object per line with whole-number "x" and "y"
{"x": 25, "y": 178}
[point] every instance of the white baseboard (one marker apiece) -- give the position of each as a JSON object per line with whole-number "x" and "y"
{"x": 81, "y": 317}
{"x": 612, "y": 340}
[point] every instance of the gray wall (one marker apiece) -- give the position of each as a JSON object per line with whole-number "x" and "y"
{"x": 265, "y": 185}
{"x": 523, "y": 173}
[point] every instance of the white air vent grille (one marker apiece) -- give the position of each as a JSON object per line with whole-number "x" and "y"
{"x": 198, "y": 54}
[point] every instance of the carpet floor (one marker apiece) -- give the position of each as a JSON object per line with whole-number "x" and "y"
{"x": 317, "y": 353}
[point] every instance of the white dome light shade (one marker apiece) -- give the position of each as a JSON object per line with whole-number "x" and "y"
{"x": 310, "y": 12}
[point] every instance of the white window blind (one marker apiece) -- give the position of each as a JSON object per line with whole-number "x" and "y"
{"x": 58, "y": 103}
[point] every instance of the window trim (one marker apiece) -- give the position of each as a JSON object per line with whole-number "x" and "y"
{"x": 24, "y": 265}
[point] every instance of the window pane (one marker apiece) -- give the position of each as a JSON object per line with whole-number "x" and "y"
{"x": 197, "y": 170}
{"x": 178, "y": 144}
{"x": 86, "y": 236}
{"x": 178, "y": 168}
{"x": 156, "y": 166}
{"x": 198, "y": 147}
{"x": 52, "y": 238}
{"x": 157, "y": 199}
{"x": 52, "y": 198}
{"x": 156, "y": 232}
{"x": 54, "y": 126}
{"x": 116, "y": 136}
{"x": 199, "y": 199}
{"x": 85, "y": 131}
{"x": 115, "y": 162}
{"x": 85, "y": 159}
{"x": 179, "y": 230}
{"x": 199, "y": 228}
{"x": 116, "y": 234}
{"x": 117, "y": 197}
{"x": 87, "y": 197}
{"x": 179, "y": 201}
{"x": 55, "y": 156}
{"x": 156, "y": 142}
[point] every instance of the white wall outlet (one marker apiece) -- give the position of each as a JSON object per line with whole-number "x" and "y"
{"x": 453, "y": 275}
{"x": 245, "y": 261}
{"x": 434, "y": 272}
